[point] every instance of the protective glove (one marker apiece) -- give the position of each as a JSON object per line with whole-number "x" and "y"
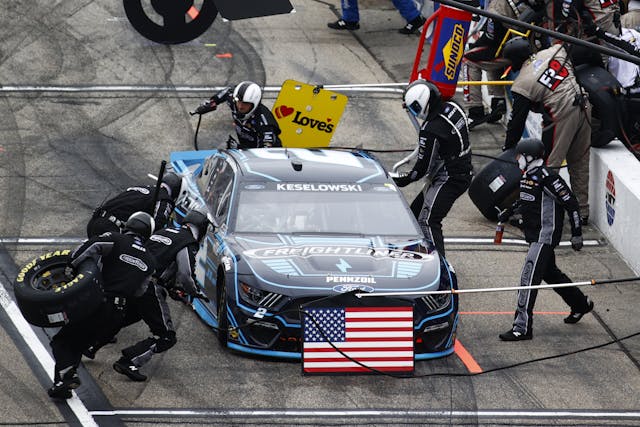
{"x": 178, "y": 294}
{"x": 504, "y": 215}
{"x": 402, "y": 180}
{"x": 576, "y": 243}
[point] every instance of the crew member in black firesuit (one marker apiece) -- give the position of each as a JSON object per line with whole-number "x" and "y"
{"x": 547, "y": 84}
{"x": 126, "y": 270}
{"x": 174, "y": 250}
{"x": 444, "y": 155}
{"x": 112, "y": 214}
{"x": 255, "y": 125}
{"x": 544, "y": 196}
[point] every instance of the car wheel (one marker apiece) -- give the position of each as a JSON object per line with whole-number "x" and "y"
{"x": 223, "y": 320}
{"x": 497, "y": 185}
{"x": 48, "y": 297}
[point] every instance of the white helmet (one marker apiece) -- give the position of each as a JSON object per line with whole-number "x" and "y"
{"x": 247, "y": 92}
{"x": 419, "y": 97}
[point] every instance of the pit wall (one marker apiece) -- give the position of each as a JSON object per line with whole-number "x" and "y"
{"x": 614, "y": 199}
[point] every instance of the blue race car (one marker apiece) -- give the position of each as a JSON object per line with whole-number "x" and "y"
{"x": 295, "y": 225}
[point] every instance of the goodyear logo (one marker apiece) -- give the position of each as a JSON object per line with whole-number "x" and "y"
{"x": 33, "y": 262}
{"x": 453, "y": 51}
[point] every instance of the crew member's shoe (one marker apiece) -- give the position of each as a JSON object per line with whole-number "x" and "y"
{"x": 90, "y": 352}
{"x": 341, "y": 24}
{"x": 413, "y": 26}
{"x": 575, "y": 317}
{"x": 61, "y": 389}
{"x": 512, "y": 335}
{"x": 476, "y": 116}
{"x": 498, "y": 109}
{"x": 126, "y": 367}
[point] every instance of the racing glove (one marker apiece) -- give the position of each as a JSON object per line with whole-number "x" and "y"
{"x": 402, "y": 180}
{"x": 576, "y": 243}
{"x": 504, "y": 215}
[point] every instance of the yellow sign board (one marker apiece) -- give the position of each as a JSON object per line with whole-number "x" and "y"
{"x": 308, "y": 115}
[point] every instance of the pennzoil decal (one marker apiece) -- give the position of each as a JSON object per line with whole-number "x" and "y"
{"x": 351, "y": 279}
{"x": 305, "y": 251}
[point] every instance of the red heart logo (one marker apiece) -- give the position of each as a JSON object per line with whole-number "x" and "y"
{"x": 329, "y": 120}
{"x": 283, "y": 111}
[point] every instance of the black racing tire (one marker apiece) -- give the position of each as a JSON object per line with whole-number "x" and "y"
{"x": 608, "y": 106}
{"x": 48, "y": 298}
{"x": 497, "y": 185}
{"x": 223, "y": 320}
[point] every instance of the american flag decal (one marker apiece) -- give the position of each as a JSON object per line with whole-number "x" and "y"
{"x": 378, "y": 337}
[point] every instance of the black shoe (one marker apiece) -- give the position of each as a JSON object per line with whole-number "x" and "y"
{"x": 498, "y": 109}
{"x": 413, "y": 26}
{"x": 90, "y": 352}
{"x": 575, "y": 317}
{"x": 476, "y": 116}
{"x": 343, "y": 25}
{"x": 512, "y": 335}
{"x": 61, "y": 389}
{"x": 127, "y": 368}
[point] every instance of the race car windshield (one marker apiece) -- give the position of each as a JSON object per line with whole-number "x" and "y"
{"x": 379, "y": 213}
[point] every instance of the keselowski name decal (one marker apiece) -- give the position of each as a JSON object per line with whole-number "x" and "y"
{"x": 136, "y": 262}
{"x": 304, "y": 251}
{"x": 320, "y": 187}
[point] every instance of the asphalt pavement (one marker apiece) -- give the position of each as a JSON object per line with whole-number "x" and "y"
{"x": 63, "y": 151}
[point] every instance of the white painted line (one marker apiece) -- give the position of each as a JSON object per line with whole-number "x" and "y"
{"x": 41, "y": 354}
{"x": 228, "y": 413}
{"x": 43, "y": 240}
{"x": 461, "y": 240}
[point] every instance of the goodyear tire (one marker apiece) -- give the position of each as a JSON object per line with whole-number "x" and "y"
{"x": 496, "y": 186}
{"x": 47, "y": 297}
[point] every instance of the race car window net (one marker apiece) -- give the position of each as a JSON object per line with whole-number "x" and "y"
{"x": 366, "y": 213}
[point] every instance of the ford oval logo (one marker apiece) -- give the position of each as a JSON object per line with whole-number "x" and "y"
{"x": 348, "y": 288}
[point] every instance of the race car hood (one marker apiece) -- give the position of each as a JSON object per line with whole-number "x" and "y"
{"x": 285, "y": 264}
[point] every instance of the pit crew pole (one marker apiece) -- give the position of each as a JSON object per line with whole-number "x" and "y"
{"x": 535, "y": 28}
{"x": 156, "y": 192}
{"x": 591, "y": 282}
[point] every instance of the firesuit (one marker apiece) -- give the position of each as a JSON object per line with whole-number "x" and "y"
{"x": 255, "y": 128}
{"x": 544, "y": 196}
{"x": 445, "y": 156}
{"x": 174, "y": 250}
{"x": 126, "y": 270}
{"x": 113, "y": 213}
{"x": 547, "y": 84}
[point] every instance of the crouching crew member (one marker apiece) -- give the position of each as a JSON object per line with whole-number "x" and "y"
{"x": 126, "y": 268}
{"x": 112, "y": 214}
{"x": 174, "y": 250}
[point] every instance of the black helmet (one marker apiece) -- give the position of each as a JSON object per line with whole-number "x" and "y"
{"x": 531, "y": 147}
{"x": 174, "y": 182}
{"x": 421, "y": 98}
{"x": 197, "y": 219}
{"x": 517, "y": 50}
{"x": 140, "y": 223}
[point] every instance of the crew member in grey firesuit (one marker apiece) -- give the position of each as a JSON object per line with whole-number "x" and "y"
{"x": 544, "y": 196}
{"x": 481, "y": 55}
{"x": 174, "y": 250}
{"x": 112, "y": 214}
{"x": 444, "y": 155}
{"x": 255, "y": 125}
{"x": 126, "y": 270}
{"x": 547, "y": 84}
